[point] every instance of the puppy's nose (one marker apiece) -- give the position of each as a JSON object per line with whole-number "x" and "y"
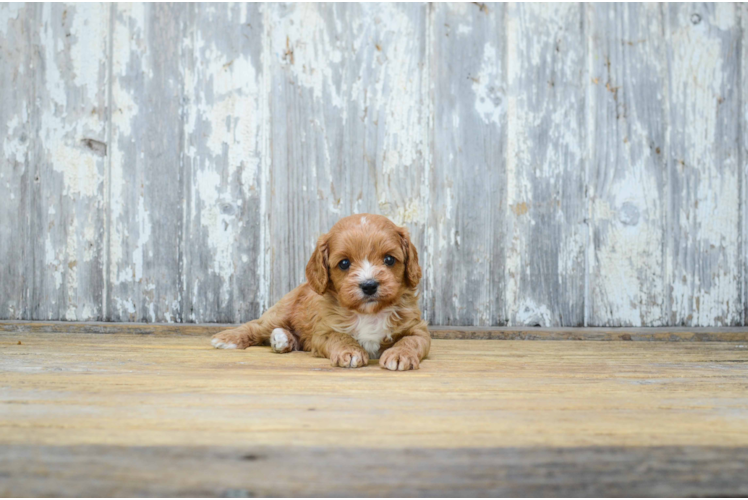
{"x": 369, "y": 287}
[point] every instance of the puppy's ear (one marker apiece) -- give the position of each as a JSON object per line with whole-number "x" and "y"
{"x": 317, "y": 273}
{"x": 412, "y": 268}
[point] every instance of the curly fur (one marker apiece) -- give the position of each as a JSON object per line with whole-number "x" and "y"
{"x": 331, "y": 317}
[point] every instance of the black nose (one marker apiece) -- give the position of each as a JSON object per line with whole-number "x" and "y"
{"x": 369, "y": 287}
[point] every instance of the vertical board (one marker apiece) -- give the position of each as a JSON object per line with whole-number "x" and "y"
{"x": 68, "y": 214}
{"x": 704, "y": 207}
{"x": 743, "y": 169}
{"x": 18, "y": 62}
{"x": 468, "y": 179}
{"x": 557, "y": 165}
{"x": 348, "y": 124}
{"x": 546, "y": 231}
{"x": 627, "y": 124}
{"x": 223, "y": 147}
{"x": 146, "y": 183}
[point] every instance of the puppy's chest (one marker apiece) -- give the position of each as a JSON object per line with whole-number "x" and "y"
{"x": 370, "y": 330}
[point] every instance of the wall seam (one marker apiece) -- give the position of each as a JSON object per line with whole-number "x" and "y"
{"x": 741, "y": 168}
{"x": 587, "y": 158}
{"x": 503, "y": 209}
{"x": 29, "y": 254}
{"x": 186, "y": 58}
{"x": 668, "y": 232}
{"x": 265, "y": 163}
{"x": 427, "y": 89}
{"x": 105, "y": 309}
{"x": 35, "y": 192}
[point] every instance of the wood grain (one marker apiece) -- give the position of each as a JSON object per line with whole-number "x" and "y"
{"x": 348, "y": 130}
{"x": 17, "y": 128}
{"x": 703, "y": 170}
{"x": 569, "y": 165}
{"x": 274, "y": 471}
{"x": 669, "y": 334}
{"x": 468, "y": 183}
{"x": 68, "y": 206}
{"x": 627, "y": 179}
{"x": 546, "y": 231}
{"x": 160, "y": 390}
{"x": 146, "y": 164}
{"x": 743, "y": 156}
{"x": 223, "y": 147}
{"x": 578, "y": 409}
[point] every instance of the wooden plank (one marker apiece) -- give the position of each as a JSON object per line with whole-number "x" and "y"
{"x": 68, "y": 210}
{"x": 275, "y": 471}
{"x": 627, "y": 180}
{"x": 743, "y": 155}
{"x": 18, "y": 62}
{"x": 158, "y": 228}
{"x": 139, "y": 391}
{"x": 468, "y": 181}
{"x": 146, "y": 175}
{"x": 703, "y": 47}
{"x": 661, "y": 334}
{"x": 546, "y": 231}
{"x": 223, "y": 148}
{"x": 348, "y": 125}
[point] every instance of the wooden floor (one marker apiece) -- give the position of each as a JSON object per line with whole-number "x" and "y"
{"x": 125, "y": 414}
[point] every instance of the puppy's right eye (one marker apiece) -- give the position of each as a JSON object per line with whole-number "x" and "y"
{"x": 344, "y": 264}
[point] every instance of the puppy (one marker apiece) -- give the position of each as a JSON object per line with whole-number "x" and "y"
{"x": 359, "y": 302}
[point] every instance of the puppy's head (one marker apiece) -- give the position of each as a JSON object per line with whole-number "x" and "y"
{"x": 367, "y": 260}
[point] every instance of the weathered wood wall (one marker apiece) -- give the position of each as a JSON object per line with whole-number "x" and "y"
{"x": 557, "y": 165}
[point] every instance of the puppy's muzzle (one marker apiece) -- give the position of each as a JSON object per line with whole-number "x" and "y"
{"x": 369, "y": 287}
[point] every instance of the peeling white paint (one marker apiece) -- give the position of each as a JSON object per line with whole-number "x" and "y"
{"x": 9, "y": 13}
{"x": 544, "y": 142}
{"x": 704, "y": 151}
{"x": 13, "y": 148}
{"x": 90, "y": 24}
{"x": 364, "y": 73}
{"x": 216, "y": 223}
{"x": 489, "y": 97}
{"x": 307, "y": 51}
{"x": 144, "y": 236}
{"x": 529, "y": 313}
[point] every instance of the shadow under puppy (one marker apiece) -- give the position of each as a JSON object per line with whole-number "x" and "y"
{"x": 359, "y": 302}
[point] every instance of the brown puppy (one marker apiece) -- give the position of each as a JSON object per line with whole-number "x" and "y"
{"x": 359, "y": 302}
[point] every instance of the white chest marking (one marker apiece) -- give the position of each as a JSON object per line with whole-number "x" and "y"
{"x": 370, "y": 330}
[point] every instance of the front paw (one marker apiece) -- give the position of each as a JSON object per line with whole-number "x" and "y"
{"x": 230, "y": 339}
{"x": 349, "y": 357}
{"x": 399, "y": 359}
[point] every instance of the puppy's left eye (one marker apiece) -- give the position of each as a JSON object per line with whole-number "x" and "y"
{"x": 389, "y": 260}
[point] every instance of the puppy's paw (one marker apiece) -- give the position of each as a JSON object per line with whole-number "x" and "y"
{"x": 281, "y": 341}
{"x": 349, "y": 357}
{"x": 399, "y": 359}
{"x": 230, "y": 339}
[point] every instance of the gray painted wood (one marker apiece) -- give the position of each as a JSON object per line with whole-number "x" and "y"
{"x": 546, "y": 231}
{"x": 348, "y": 129}
{"x": 468, "y": 180}
{"x": 627, "y": 179}
{"x": 743, "y": 156}
{"x": 146, "y": 171}
{"x": 17, "y": 64}
{"x": 278, "y": 471}
{"x": 68, "y": 200}
{"x": 176, "y": 163}
{"x": 703, "y": 216}
{"x": 223, "y": 146}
